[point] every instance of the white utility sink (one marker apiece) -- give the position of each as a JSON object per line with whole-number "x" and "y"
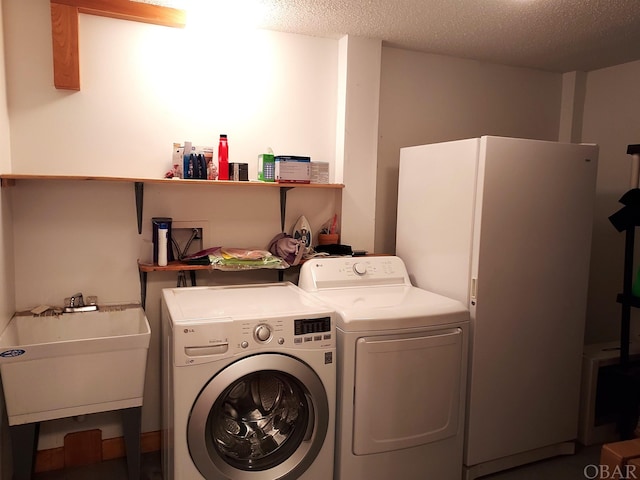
{"x": 74, "y": 363}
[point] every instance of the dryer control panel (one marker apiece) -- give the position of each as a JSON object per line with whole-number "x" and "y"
{"x": 341, "y": 272}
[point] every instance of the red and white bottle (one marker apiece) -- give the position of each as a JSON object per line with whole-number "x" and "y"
{"x": 223, "y": 158}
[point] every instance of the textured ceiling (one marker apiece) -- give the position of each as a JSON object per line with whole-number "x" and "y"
{"x": 554, "y": 35}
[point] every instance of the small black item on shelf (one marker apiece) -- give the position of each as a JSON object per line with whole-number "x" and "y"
{"x": 198, "y": 261}
{"x": 334, "y": 249}
{"x": 200, "y": 258}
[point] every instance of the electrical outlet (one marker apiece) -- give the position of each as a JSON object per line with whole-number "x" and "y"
{"x": 189, "y": 236}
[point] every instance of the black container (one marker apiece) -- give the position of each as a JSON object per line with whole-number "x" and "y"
{"x": 239, "y": 172}
{"x": 156, "y": 221}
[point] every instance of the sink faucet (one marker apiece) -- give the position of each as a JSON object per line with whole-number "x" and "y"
{"x": 75, "y": 303}
{"x": 76, "y": 300}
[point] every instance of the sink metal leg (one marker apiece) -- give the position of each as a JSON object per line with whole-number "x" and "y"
{"x": 24, "y": 444}
{"x": 143, "y": 288}
{"x": 132, "y": 427}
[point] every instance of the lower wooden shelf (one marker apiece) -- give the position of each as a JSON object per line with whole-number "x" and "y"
{"x": 175, "y": 266}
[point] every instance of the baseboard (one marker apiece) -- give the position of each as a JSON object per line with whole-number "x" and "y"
{"x": 87, "y": 447}
{"x": 518, "y": 459}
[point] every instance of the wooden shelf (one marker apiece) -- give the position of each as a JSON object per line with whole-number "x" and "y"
{"x": 10, "y": 179}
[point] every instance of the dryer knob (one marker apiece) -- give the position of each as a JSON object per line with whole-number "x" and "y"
{"x": 359, "y": 268}
{"x": 262, "y": 333}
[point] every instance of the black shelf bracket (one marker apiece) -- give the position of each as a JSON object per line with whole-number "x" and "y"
{"x": 139, "y": 192}
{"x": 283, "y": 205}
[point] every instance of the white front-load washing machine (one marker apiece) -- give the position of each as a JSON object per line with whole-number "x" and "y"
{"x": 249, "y": 382}
{"x": 402, "y": 356}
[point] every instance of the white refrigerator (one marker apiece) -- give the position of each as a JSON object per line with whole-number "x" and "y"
{"x": 504, "y": 226}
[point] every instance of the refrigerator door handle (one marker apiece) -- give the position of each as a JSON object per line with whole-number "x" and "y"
{"x": 474, "y": 290}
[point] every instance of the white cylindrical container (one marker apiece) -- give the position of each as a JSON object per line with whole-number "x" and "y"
{"x": 163, "y": 233}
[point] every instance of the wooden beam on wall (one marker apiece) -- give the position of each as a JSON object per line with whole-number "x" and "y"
{"x": 64, "y": 30}
{"x": 66, "y": 61}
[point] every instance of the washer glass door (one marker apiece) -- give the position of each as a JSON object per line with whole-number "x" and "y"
{"x": 266, "y": 413}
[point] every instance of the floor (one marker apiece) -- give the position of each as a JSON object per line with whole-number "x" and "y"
{"x": 580, "y": 466}
{"x": 571, "y": 467}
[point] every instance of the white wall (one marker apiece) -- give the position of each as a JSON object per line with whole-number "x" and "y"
{"x": 6, "y": 239}
{"x": 610, "y": 120}
{"x": 143, "y": 88}
{"x": 358, "y": 138}
{"x": 572, "y": 106}
{"x": 7, "y": 290}
{"x": 429, "y": 98}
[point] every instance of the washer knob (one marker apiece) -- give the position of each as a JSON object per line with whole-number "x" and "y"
{"x": 262, "y": 333}
{"x": 359, "y": 268}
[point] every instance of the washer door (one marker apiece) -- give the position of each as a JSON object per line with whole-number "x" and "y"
{"x": 262, "y": 417}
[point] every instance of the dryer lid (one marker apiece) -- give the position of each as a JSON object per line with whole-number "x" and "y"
{"x": 391, "y": 307}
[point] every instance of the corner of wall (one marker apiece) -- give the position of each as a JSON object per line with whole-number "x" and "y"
{"x": 572, "y": 106}
{"x": 359, "y": 96}
{"x": 7, "y": 268}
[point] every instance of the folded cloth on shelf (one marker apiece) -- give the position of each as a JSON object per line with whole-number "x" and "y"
{"x": 288, "y": 248}
{"x": 231, "y": 258}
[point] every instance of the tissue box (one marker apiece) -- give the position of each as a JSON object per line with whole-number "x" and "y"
{"x": 319, "y": 172}
{"x": 293, "y": 169}
{"x": 266, "y": 167}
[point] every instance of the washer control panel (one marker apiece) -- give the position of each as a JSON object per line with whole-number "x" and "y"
{"x": 293, "y": 332}
{"x": 201, "y": 342}
{"x": 340, "y": 272}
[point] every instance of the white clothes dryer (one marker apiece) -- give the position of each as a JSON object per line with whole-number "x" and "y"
{"x": 249, "y": 381}
{"x": 402, "y": 356}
